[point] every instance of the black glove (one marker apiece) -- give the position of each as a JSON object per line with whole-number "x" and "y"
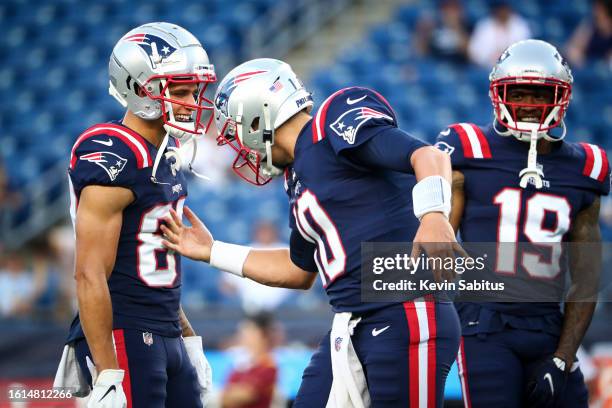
{"x": 546, "y": 385}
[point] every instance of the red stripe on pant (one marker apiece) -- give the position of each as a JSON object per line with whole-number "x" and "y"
{"x": 122, "y": 359}
{"x": 431, "y": 354}
{"x": 413, "y": 353}
{"x": 415, "y": 326}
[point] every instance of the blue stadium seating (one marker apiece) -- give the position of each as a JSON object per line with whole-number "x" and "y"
{"x": 53, "y": 73}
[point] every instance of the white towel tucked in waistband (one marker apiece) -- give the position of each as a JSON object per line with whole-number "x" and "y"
{"x": 69, "y": 373}
{"x": 349, "y": 387}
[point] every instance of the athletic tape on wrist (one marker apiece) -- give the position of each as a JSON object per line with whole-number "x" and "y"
{"x": 228, "y": 257}
{"x": 432, "y": 194}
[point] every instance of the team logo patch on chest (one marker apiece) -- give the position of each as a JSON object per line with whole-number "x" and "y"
{"x": 111, "y": 163}
{"x": 348, "y": 124}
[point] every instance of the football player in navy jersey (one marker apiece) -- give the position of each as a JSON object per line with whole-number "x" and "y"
{"x": 348, "y": 173}
{"x": 126, "y": 342}
{"x": 523, "y": 354}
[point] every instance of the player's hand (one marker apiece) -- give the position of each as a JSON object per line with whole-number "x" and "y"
{"x": 546, "y": 386}
{"x": 436, "y": 238}
{"x": 107, "y": 391}
{"x": 195, "y": 351}
{"x": 193, "y": 242}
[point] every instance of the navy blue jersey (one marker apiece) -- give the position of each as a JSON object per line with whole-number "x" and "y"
{"x": 338, "y": 200}
{"x": 497, "y": 209}
{"x": 145, "y": 284}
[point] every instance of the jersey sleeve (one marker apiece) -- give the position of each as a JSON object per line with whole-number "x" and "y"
{"x": 103, "y": 160}
{"x": 351, "y": 117}
{"x": 302, "y": 252}
{"x": 463, "y": 142}
{"x": 391, "y": 149}
{"x": 595, "y": 169}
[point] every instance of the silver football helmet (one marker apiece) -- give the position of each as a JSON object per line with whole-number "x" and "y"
{"x": 531, "y": 63}
{"x": 146, "y": 61}
{"x": 525, "y": 64}
{"x": 251, "y": 102}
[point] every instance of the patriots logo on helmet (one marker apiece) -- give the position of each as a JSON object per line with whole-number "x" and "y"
{"x": 348, "y": 124}
{"x": 110, "y": 162}
{"x": 228, "y": 87}
{"x": 156, "y": 47}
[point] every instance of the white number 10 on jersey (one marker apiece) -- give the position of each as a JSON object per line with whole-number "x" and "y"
{"x": 322, "y": 231}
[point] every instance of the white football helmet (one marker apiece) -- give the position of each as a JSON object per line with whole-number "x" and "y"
{"x": 150, "y": 58}
{"x": 531, "y": 63}
{"x": 252, "y": 101}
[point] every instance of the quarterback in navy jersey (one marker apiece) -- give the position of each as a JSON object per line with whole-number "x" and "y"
{"x": 348, "y": 171}
{"x": 518, "y": 181}
{"x": 125, "y": 343}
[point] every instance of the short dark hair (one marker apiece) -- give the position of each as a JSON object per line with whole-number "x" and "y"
{"x": 264, "y": 321}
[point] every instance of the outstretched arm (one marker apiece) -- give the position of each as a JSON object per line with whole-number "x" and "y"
{"x": 98, "y": 225}
{"x": 271, "y": 267}
{"x": 585, "y": 264}
{"x": 432, "y": 202}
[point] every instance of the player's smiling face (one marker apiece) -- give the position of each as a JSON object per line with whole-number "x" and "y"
{"x": 529, "y": 102}
{"x": 185, "y": 93}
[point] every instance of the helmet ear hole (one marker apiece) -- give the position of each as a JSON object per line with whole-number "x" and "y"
{"x": 139, "y": 91}
{"x": 254, "y": 125}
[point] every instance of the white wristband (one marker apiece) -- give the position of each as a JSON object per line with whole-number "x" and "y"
{"x": 432, "y": 194}
{"x": 228, "y": 257}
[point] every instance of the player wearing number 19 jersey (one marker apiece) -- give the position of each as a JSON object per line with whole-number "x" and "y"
{"x": 522, "y": 354}
{"x": 124, "y": 178}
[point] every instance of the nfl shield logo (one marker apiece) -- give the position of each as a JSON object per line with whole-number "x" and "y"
{"x": 147, "y": 338}
{"x": 338, "y": 343}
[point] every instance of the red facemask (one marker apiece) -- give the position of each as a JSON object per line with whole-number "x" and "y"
{"x": 561, "y": 92}
{"x": 202, "y": 104}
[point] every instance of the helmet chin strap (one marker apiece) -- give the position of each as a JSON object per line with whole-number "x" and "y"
{"x": 158, "y": 156}
{"x": 531, "y": 172}
{"x": 193, "y": 156}
{"x": 175, "y": 152}
{"x": 185, "y": 138}
{"x": 269, "y": 169}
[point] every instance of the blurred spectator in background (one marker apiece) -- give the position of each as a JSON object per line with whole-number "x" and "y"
{"x": 210, "y": 162}
{"x": 61, "y": 243}
{"x": 252, "y": 383}
{"x": 254, "y": 296}
{"x": 20, "y": 287}
{"x": 445, "y": 36}
{"x": 9, "y": 200}
{"x": 495, "y": 33}
{"x": 592, "y": 39}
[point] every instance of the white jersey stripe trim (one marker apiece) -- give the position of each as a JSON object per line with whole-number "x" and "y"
{"x": 597, "y": 161}
{"x": 461, "y": 370}
{"x": 318, "y": 124}
{"x": 141, "y": 148}
{"x": 421, "y": 312}
{"x": 474, "y": 141}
